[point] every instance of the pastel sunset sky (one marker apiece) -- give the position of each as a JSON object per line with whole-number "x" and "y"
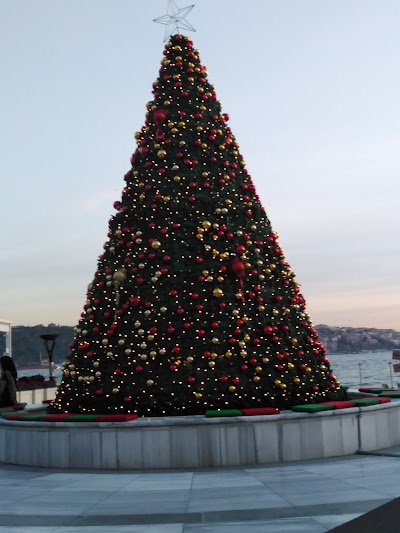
{"x": 312, "y": 88}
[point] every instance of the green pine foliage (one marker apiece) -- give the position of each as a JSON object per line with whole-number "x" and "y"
{"x": 193, "y": 305}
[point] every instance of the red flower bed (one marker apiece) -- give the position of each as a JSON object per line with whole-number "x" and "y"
{"x": 34, "y": 382}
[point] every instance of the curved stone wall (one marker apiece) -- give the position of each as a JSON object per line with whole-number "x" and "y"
{"x": 191, "y": 442}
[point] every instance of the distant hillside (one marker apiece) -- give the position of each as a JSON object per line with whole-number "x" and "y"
{"x": 27, "y": 344}
{"x": 351, "y": 340}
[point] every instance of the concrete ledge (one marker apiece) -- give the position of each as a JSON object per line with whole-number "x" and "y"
{"x": 195, "y": 441}
{"x": 35, "y": 395}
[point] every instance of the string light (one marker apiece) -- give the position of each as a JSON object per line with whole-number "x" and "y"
{"x": 193, "y": 305}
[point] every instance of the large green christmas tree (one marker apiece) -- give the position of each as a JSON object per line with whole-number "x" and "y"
{"x": 193, "y": 305}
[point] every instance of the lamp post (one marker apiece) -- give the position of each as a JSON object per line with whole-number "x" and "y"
{"x": 391, "y": 375}
{"x": 49, "y": 343}
{"x": 359, "y": 369}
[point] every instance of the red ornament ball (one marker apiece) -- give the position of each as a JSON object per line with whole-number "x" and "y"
{"x": 159, "y": 117}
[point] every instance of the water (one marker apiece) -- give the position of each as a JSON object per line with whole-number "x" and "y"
{"x": 39, "y": 371}
{"x": 375, "y": 369}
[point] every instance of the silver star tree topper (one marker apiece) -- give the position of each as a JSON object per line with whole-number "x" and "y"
{"x": 175, "y": 19}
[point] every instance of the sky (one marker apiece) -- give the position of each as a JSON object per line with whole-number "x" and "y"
{"x": 312, "y": 89}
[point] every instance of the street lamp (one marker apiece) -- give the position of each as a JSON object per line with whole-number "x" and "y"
{"x": 49, "y": 343}
{"x": 359, "y": 369}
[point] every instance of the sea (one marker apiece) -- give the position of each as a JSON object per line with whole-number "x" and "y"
{"x": 352, "y": 369}
{"x": 365, "y": 369}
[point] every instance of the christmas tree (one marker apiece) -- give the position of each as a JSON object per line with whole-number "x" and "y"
{"x": 193, "y": 305}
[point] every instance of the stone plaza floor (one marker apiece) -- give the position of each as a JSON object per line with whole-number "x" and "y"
{"x": 311, "y": 497}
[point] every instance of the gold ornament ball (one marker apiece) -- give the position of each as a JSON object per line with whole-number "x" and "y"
{"x": 96, "y": 364}
{"x": 256, "y": 379}
{"x": 115, "y": 391}
{"x": 232, "y": 388}
{"x": 217, "y": 292}
{"x": 297, "y": 380}
{"x": 211, "y": 364}
{"x": 155, "y": 244}
{"x": 98, "y": 374}
{"x": 150, "y": 382}
{"x": 119, "y": 276}
{"x": 277, "y": 382}
{"x": 198, "y": 395}
{"x": 189, "y": 359}
{"x": 161, "y": 154}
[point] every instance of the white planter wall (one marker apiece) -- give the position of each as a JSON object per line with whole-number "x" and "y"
{"x": 36, "y": 395}
{"x": 192, "y": 442}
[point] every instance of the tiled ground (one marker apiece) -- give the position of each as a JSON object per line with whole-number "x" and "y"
{"x": 309, "y": 497}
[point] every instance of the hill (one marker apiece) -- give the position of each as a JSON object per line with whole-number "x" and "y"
{"x": 28, "y": 346}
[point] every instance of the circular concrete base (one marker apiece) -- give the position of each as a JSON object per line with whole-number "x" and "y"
{"x": 196, "y": 441}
